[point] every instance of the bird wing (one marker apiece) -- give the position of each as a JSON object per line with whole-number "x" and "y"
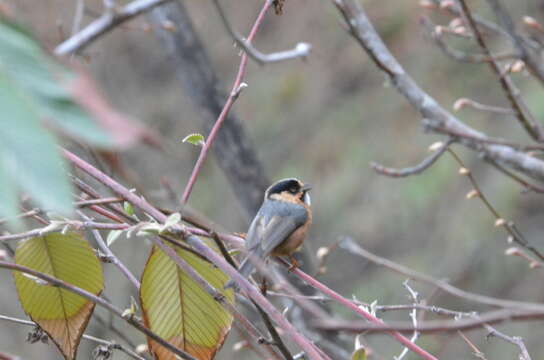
{"x": 274, "y": 222}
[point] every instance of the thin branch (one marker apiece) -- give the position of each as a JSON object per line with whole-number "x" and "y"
{"x": 499, "y": 220}
{"x": 477, "y": 352}
{"x": 435, "y": 117}
{"x": 436, "y": 34}
{"x": 413, "y": 315}
{"x": 106, "y": 22}
{"x": 463, "y": 102}
{"x": 512, "y": 93}
{"x": 100, "y": 301}
{"x": 226, "y": 108}
{"x": 431, "y": 326}
{"x": 414, "y": 170}
{"x": 517, "y": 341}
{"x": 351, "y": 246}
{"x": 109, "y": 344}
{"x": 363, "y": 313}
{"x": 532, "y": 60}
{"x": 301, "y": 50}
{"x": 527, "y": 185}
{"x": 111, "y": 256}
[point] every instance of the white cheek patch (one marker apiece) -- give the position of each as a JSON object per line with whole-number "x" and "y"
{"x": 307, "y": 199}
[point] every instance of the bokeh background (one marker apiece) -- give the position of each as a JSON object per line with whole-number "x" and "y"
{"x": 324, "y": 120}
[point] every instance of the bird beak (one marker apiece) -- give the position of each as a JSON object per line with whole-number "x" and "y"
{"x": 306, "y": 187}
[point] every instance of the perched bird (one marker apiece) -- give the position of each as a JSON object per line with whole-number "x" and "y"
{"x": 280, "y": 226}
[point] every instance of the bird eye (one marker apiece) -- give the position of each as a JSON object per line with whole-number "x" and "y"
{"x": 293, "y": 190}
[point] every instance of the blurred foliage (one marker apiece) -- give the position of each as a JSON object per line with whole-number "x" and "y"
{"x": 31, "y": 92}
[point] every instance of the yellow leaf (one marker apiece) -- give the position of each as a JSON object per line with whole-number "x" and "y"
{"x": 176, "y": 308}
{"x": 63, "y": 315}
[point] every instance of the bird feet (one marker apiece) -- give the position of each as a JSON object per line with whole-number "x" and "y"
{"x": 294, "y": 264}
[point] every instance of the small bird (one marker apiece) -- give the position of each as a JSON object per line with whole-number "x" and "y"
{"x": 280, "y": 226}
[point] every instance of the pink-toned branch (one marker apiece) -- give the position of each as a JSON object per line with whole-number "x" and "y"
{"x": 235, "y": 91}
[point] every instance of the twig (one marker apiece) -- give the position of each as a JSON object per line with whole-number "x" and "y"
{"x": 226, "y": 108}
{"x": 436, "y": 118}
{"x": 499, "y": 220}
{"x": 511, "y": 92}
{"x": 413, "y": 315}
{"x": 106, "y": 22}
{"x": 462, "y": 102}
{"x": 414, "y": 170}
{"x": 111, "y": 256}
{"x": 360, "y": 311}
{"x": 78, "y": 16}
{"x": 266, "y": 319}
{"x": 527, "y": 185}
{"x": 431, "y": 326}
{"x": 461, "y": 56}
{"x": 524, "y": 354}
{"x": 271, "y": 329}
{"x": 111, "y": 344}
{"x": 301, "y": 50}
{"x": 100, "y": 301}
{"x": 532, "y": 60}
{"x": 477, "y": 352}
{"x": 350, "y": 245}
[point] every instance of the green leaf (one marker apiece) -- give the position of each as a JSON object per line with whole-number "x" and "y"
{"x": 8, "y": 197}
{"x": 170, "y": 221}
{"x": 37, "y": 76}
{"x": 61, "y": 313}
{"x": 28, "y": 154}
{"x": 359, "y": 354}
{"x": 112, "y": 236}
{"x": 176, "y": 308}
{"x": 128, "y": 208}
{"x": 195, "y": 139}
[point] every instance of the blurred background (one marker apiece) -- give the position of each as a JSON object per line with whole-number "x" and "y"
{"x": 324, "y": 120}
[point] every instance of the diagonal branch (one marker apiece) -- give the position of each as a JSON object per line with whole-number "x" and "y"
{"x": 512, "y": 93}
{"x": 236, "y": 88}
{"x": 436, "y": 118}
{"x": 105, "y": 23}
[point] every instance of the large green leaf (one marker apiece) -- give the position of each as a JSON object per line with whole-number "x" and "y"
{"x": 179, "y": 310}
{"x": 28, "y": 155}
{"x": 61, "y": 313}
{"x": 43, "y": 82}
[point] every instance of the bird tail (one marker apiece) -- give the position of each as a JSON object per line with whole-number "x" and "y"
{"x": 245, "y": 270}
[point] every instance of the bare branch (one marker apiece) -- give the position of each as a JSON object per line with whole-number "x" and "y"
{"x": 414, "y": 170}
{"x": 512, "y": 93}
{"x": 436, "y": 34}
{"x": 301, "y": 50}
{"x": 533, "y": 61}
{"x": 226, "y": 108}
{"x": 114, "y": 259}
{"x": 105, "y": 23}
{"x": 432, "y": 326}
{"x": 351, "y": 246}
{"x": 436, "y": 118}
{"x": 517, "y": 341}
